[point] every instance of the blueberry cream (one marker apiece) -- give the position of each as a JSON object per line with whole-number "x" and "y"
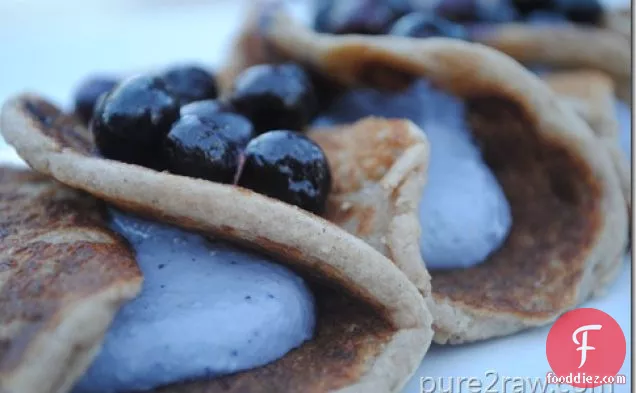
{"x": 207, "y": 309}
{"x": 463, "y": 212}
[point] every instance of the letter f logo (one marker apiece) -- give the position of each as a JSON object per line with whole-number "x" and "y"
{"x": 583, "y": 344}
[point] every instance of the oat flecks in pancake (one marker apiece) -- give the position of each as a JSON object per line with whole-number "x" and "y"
{"x": 379, "y": 358}
{"x": 569, "y": 221}
{"x": 379, "y": 171}
{"x": 63, "y": 275}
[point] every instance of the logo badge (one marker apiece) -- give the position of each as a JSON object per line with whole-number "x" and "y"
{"x": 585, "y": 346}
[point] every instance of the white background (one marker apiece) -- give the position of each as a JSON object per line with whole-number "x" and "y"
{"x": 47, "y": 46}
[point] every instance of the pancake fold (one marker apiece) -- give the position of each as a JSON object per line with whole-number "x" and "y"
{"x": 373, "y": 327}
{"x": 63, "y": 276}
{"x": 569, "y": 213}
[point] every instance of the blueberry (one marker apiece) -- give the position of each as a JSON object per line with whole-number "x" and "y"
{"x": 526, "y": 7}
{"x": 458, "y": 10}
{"x": 87, "y": 94}
{"x": 475, "y": 11}
{"x": 580, "y": 11}
{"x": 422, "y": 25}
{"x": 235, "y": 128}
{"x": 359, "y": 16}
{"x": 190, "y": 83}
{"x": 275, "y": 97}
{"x": 197, "y": 149}
{"x": 132, "y": 120}
{"x": 287, "y": 166}
{"x": 203, "y": 108}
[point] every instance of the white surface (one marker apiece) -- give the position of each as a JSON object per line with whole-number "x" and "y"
{"x": 47, "y": 46}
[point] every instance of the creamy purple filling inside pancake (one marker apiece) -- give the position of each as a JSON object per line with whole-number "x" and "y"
{"x": 463, "y": 212}
{"x": 207, "y": 309}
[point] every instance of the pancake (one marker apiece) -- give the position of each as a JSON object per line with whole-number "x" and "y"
{"x": 63, "y": 276}
{"x": 569, "y": 215}
{"x": 566, "y": 46}
{"x": 372, "y": 340}
{"x": 591, "y": 93}
{"x": 620, "y": 21}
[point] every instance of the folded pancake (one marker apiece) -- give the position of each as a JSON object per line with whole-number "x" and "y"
{"x": 591, "y": 93}
{"x": 63, "y": 276}
{"x": 619, "y": 21}
{"x": 565, "y": 46}
{"x": 569, "y": 215}
{"x": 371, "y": 340}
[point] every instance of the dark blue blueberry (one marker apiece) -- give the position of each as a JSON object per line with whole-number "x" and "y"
{"x": 458, "y": 10}
{"x": 190, "y": 83}
{"x": 205, "y": 107}
{"x": 423, "y": 25}
{"x": 526, "y": 7}
{"x": 235, "y": 128}
{"x": 275, "y": 97}
{"x": 196, "y": 149}
{"x": 87, "y": 94}
{"x": 131, "y": 122}
{"x": 580, "y": 11}
{"x": 287, "y": 166}
{"x": 358, "y": 16}
{"x": 475, "y": 11}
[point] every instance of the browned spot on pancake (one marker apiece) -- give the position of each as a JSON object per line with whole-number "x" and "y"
{"x": 365, "y": 153}
{"x": 282, "y": 250}
{"x": 43, "y": 277}
{"x": 348, "y": 336}
{"x": 383, "y": 76}
{"x": 339, "y": 211}
{"x": 64, "y": 129}
{"x": 556, "y": 214}
{"x": 367, "y": 216}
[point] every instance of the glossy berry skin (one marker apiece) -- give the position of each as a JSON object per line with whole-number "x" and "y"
{"x": 131, "y": 122}
{"x": 204, "y": 108}
{"x": 287, "y": 166}
{"x": 190, "y": 83}
{"x": 424, "y": 25}
{"x": 87, "y": 94}
{"x": 275, "y": 97}
{"x": 580, "y": 11}
{"x": 358, "y": 16}
{"x": 197, "y": 149}
{"x": 235, "y": 128}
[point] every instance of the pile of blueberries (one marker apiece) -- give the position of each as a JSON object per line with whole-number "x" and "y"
{"x": 445, "y": 18}
{"x": 174, "y": 121}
